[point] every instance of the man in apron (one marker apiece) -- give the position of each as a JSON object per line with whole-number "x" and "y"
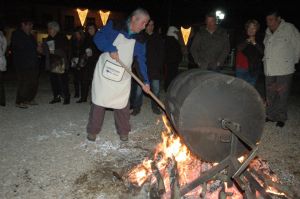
{"x": 111, "y": 83}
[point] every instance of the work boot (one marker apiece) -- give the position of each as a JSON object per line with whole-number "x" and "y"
{"x": 32, "y": 103}
{"x": 55, "y": 100}
{"x": 124, "y": 138}
{"x": 280, "y": 124}
{"x": 135, "y": 111}
{"x": 268, "y": 120}
{"x": 81, "y": 100}
{"x": 156, "y": 111}
{"x": 21, "y": 105}
{"x": 66, "y": 100}
{"x": 91, "y": 137}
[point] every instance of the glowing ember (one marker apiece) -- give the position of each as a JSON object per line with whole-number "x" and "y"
{"x": 274, "y": 191}
{"x": 173, "y": 160}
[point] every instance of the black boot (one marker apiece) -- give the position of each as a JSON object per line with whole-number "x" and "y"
{"x": 66, "y": 100}
{"x": 81, "y": 100}
{"x": 136, "y": 111}
{"x": 55, "y": 100}
{"x": 280, "y": 124}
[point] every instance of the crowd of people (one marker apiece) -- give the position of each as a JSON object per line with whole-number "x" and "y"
{"x": 93, "y": 59}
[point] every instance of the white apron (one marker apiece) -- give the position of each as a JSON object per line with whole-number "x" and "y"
{"x": 111, "y": 83}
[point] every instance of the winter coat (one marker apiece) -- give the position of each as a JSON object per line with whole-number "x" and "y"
{"x": 282, "y": 50}
{"x": 3, "y": 46}
{"x": 77, "y": 48}
{"x": 253, "y": 54}
{"x": 91, "y": 60}
{"x": 89, "y": 44}
{"x": 208, "y": 49}
{"x": 173, "y": 54}
{"x": 62, "y": 49}
{"x": 24, "y": 49}
{"x": 155, "y": 55}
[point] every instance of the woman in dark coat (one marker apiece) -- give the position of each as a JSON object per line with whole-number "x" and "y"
{"x": 91, "y": 55}
{"x": 77, "y": 57}
{"x": 173, "y": 55}
{"x": 249, "y": 54}
{"x": 57, "y": 50}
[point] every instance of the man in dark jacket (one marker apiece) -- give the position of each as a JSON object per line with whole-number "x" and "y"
{"x": 210, "y": 46}
{"x": 25, "y": 60}
{"x": 91, "y": 55}
{"x": 173, "y": 55}
{"x": 155, "y": 60}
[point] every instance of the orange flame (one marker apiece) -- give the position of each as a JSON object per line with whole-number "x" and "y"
{"x": 188, "y": 167}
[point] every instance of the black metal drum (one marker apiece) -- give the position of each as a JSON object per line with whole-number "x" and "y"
{"x": 198, "y": 101}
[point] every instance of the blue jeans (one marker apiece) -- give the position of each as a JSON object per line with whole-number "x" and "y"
{"x": 137, "y": 94}
{"x": 155, "y": 89}
{"x": 245, "y": 75}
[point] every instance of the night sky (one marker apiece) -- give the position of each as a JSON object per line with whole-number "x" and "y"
{"x": 179, "y": 12}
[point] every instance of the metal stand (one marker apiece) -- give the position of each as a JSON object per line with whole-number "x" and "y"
{"x": 236, "y": 171}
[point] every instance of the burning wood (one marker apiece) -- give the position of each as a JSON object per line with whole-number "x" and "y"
{"x": 174, "y": 168}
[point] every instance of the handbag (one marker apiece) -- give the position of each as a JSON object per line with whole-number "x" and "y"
{"x": 83, "y": 61}
{"x": 57, "y": 64}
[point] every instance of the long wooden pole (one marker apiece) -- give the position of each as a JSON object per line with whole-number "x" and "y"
{"x": 142, "y": 84}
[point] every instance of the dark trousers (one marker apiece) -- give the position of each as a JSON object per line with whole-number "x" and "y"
{"x": 2, "y": 91}
{"x": 171, "y": 73}
{"x": 85, "y": 81}
{"x": 60, "y": 85}
{"x": 277, "y": 93}
{"x": 96, "y": 118}
{"x": 27, "y": 85}
{"x": 136, "y": 94}
{"x": 76, "y": 80}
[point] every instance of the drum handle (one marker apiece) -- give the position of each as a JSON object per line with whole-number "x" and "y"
{"x": 142, "y": 84}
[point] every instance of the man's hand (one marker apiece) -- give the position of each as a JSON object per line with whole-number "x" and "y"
{"x": 146, "y": 88}
{"x": 115, "y": 56}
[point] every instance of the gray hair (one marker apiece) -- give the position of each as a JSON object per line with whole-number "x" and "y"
{"x": 54, "y": 25}
{"x": 140, "y": 11}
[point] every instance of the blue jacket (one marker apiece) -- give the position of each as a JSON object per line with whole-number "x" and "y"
{"x": 105, "y": 37}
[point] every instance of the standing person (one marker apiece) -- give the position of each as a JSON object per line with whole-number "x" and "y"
{"x": 111, "y": 84}
{"x": 192, "y": 63}
{"x": 155, "y": 61}
{"x": 90, "y": 57}
{"x": 25, "y": 60}
{"x": 77, "y": 56}
{"x": 57, "y": 48}
{"x": 3, "y": 46}
{"x": 249, "y": 54}
{"x": 282, "y": 52}
{"x": 173, "y": 55}
{"x": 210, "y": 46}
